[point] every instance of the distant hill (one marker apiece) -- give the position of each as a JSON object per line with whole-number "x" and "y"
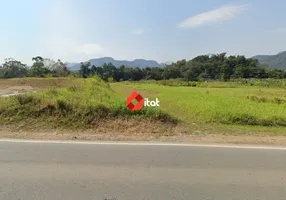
{"x": 277, "y": 61}
{"x": 141, "y": 63}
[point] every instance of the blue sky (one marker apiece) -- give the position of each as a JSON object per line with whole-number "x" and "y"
{"x": 78, "y": 30}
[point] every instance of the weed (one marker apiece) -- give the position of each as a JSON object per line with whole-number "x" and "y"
{"x": 27, "y": 99}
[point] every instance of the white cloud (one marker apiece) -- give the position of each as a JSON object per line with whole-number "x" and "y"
{"x": 221, "y": 14}
{"x": 138, "y": 31}
{"x": 278, "y": 30}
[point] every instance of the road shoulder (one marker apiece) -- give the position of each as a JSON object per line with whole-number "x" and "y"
{"x": 88, "y": 135}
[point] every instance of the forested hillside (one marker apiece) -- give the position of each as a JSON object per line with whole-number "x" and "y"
{"x": 277, "y": 61}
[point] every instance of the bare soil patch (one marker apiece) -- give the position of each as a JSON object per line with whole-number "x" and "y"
{"x": 23, "y": 85}
{"x": 90, "y": 135}
{"x": 35, "y": 83}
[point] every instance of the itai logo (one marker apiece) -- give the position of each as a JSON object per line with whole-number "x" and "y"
{"x": 140, "y": 101}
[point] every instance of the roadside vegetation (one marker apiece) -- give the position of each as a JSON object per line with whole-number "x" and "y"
{"x": 82, "y": 104}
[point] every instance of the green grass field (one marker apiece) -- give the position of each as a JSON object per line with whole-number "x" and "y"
{"x": 79, "y": 105}
{"x": 210, "y": 107}
{"x": 217, "y": 103}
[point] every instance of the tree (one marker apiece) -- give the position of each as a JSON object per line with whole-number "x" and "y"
{"x": 156, "y": 73}
{"x": 125, "y": 72}
{"x": 13, "y": 69}
{"x": 136, "y": 74}
{"x": 210, "y": 70}
{"x": 225, "y": 72}
{"x": 38, "y": 59}
{"x": 172, "y": 71}
{"x": 241, "y": 60}
{"x": 110, "y": 71}
{"x": 147, "y": 73}
{"x": 203, "y": 76}
{"x": 59, "y": 69}
{"x": 193, "y": 73}
{"x": 99, "y": 72}
{"x": 242, "y": 71}
{"x": 93, "y": 69}
{"x": 84, "y": 69}
{"x": 202, "y": 58}
{"x": 277, "y": 74}
{"x": 38, "y": 68}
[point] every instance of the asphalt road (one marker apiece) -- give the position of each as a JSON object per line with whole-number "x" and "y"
{"x": 54, "y": 171}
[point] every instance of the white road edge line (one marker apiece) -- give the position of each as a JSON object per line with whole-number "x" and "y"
{"x": 143, "y": 144}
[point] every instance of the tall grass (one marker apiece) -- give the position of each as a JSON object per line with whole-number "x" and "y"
{"x": 254, "y": 102}
{"x": 233, "y": 83}
{"x": 219, "y": 103}
{"x": 77, "y": 105}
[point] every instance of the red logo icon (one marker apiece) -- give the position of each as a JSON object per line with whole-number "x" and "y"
{"x": 138, "y": 97}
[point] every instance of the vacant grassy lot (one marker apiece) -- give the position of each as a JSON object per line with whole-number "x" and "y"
{"x": 246, "y": 105}
{"x": 77, "y": 104}
{"x": 225, "y": 112}
{"x": 241, "y": 107}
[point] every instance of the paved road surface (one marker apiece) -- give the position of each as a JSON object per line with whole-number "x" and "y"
{"x": 51, "y": 171}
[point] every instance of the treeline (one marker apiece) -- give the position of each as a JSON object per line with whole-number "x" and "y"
{"x": 41, "y": 68}
{"x": 200, "y": 68}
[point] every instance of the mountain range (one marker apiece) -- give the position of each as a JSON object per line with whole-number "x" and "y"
{"x": 277, "y": 61}
{"x": 141, "y": 63}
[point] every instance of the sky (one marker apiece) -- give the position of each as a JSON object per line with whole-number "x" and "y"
{"x": 79, "y": 30}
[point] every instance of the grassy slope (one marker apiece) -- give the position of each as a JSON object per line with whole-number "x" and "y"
{"x": 85, "y": 104}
